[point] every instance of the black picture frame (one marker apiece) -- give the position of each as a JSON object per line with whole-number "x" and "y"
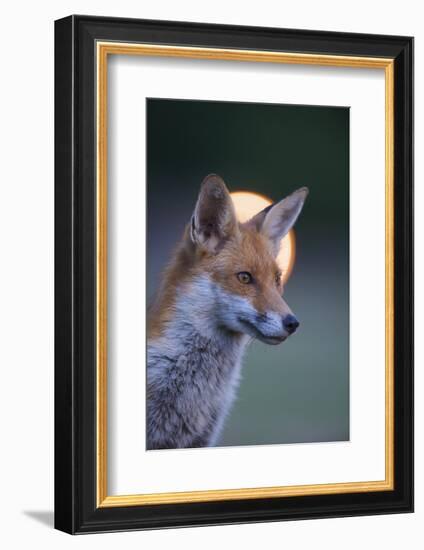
{"x": 76, "y": 510}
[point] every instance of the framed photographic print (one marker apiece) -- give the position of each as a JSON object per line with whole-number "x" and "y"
{"x": 233, "y": 268}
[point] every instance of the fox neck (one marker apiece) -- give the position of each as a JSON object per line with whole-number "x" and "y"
{"x": 193, "y": 372}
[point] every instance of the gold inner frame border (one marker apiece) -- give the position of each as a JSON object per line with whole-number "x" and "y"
{"x": 103, "y": 50}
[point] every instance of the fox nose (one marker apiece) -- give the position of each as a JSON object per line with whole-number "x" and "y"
{"x": 290, "y": 323}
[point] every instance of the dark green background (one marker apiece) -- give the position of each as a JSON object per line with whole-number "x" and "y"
{"x": 298, "y": 391}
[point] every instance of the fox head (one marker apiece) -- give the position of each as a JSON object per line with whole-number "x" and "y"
{"x": 240, "y": 261}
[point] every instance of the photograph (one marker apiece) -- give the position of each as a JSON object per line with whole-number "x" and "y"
{"x": 247, "y": 274}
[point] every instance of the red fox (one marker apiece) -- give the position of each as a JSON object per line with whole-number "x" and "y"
{"x": 222, "y": 288}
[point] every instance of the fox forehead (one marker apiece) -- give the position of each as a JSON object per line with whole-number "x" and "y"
{"x": 247, "y": 251}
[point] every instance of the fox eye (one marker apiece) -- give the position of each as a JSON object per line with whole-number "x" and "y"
{"x": 278, "y": 278}
{"x": 244, "y": 277}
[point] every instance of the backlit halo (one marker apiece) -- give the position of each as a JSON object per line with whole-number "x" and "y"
{"x": 248, "y": 204}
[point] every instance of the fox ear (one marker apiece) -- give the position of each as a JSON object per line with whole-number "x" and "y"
{"x": 276, "y": 221}
{"x": 214, "y": 218}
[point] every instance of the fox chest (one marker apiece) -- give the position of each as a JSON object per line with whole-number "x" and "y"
{"x": 194, "y": 383}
